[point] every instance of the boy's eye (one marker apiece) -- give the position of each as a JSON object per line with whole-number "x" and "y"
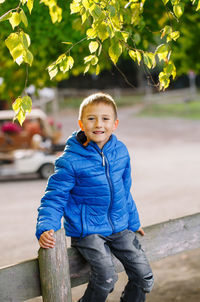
{"x": 90, "y": 118}
{"x": 106, "y": 118}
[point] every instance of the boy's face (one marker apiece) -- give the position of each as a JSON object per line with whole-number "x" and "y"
{"x": 98, "y": 122}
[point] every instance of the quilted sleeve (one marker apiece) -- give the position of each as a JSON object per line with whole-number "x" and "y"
{"x": 55, "y": 198}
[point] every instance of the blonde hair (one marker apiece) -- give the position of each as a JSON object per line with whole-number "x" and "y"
{"x": 97, "y": 98}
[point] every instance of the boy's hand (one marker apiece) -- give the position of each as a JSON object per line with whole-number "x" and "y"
{"x": 141, "y": 231}
{"x": 47, "y": 240}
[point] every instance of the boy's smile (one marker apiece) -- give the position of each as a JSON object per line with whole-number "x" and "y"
{"x": 98, "y": 122}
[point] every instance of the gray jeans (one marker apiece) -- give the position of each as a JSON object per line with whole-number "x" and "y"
{"x": 98, "y": 250}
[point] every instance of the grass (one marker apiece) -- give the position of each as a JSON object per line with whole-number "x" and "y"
{"x": 189, "y": 110}
{"x": 73, "y": 102}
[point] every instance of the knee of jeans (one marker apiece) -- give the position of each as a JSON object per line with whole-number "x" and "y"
{"x": 107, "y": 281}
{"x": 148, "y": 283}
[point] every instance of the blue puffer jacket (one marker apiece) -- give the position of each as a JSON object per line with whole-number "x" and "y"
{"x": 91, "y": 189}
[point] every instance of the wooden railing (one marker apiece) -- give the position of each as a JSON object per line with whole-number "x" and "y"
{"x": 56, "y": 270}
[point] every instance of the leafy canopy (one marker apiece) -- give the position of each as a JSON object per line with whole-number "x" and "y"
{"x": 90, "y": 32}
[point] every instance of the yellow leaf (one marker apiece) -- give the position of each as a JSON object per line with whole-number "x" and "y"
{"x": 162, "y": 51}
{"x": 93, "y": 46}
{"x": 26, "y": 104}
{"x": 20, "y": 116}
{"x": 53, "y": 72}
{"x": 17, "y": 104}
{"x": 15, "y": 19}
{"x": 138, "y": 56}
{"x": 28, "y": 57}
{"x": 61, "y": 58}
{"x": 97, "y": 69}
{"x": 102, "y": 31}
{"x": 91, "y": 33}
{"x": 178, "y": 9}
{"x": 115, "y": 51}
{"x": 66, "y": 64}
{"x": 132, "y": 54}
{"x": 198, "y": 6}
{"x": 87, "y": 68}
{"x": 30, "y": 5}
{"x": 23, "y": 18}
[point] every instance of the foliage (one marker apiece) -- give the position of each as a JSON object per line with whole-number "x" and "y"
{"x": 144, "y": 30}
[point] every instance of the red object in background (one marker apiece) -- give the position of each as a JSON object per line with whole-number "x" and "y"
{"x": 11, "y": 128}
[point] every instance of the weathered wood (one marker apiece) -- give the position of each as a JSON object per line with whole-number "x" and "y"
{"x": 21, "y": 282}
{"x": 54, "y": 271}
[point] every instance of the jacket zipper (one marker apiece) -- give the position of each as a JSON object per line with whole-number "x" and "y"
{"x": 106, "y": 165}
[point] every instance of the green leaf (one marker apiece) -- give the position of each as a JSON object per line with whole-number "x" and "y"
{"x": 21, "y": 106}
{"x": 91, "y": 33}
{"x": 14, "y": 45}
{"x": 112, "y": 10}
{"x": 25, "y": 40}
{"x": 68, "y": 43}
{"x": 86, "y": 68}
{"x": 75, "y": 7}
{"x": 61, "y": 58}
{"x": 17, "y": 104}
{"x": 162, "y": 51}
{"x": 15, "y": 19}
{"x": 88, "y": 59}
{"x": 102, "y": 31}
{"x": 26, "y": 104}
{"x": 137, "y": 38}
{"x": 115, "y": 50}
{"x": 138, "y": 56}
{"x": 135, "y": 55}
{"x": 6, "y": 16}
{"x": 66, "y": 64}
{"x": 132, "y": 54}
{"x": 93, "y": 46}
{"x": 28, "y": 57}
{"x": 23, "y": 18}
{"x": 173, "y": 36}
{"x": 170, "y": 69}
{"x": 86, "y": 4}
{"x": 166, "y": 31}
{"x": 149, "y": 59}
{"x": 20, "y": 116}
{"x": 165, "y": 1}
{"x": 53, "y": 70}
{"x": 178, "y": 10}
{"x": 164, "y": 80}
{"x": 30, "y": 5}
{"x": 94, "y": 60}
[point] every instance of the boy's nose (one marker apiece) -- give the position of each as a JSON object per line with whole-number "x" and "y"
{"x": 98, "y": 123}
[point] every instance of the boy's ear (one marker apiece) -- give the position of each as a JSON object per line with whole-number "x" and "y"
{"x": 116, "y": 124}
{"x": 80, "y": 124}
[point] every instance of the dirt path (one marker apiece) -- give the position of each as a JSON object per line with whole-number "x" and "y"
{"x": 165, "y": 155}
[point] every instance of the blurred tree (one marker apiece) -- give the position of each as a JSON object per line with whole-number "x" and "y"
{"x": 95, "y": 35}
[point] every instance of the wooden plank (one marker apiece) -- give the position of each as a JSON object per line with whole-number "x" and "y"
{"x": 21, "y": 282}
{"x": 54, "y": 271}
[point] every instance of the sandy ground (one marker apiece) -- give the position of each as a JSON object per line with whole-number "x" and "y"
{"x": 165, "y": 155}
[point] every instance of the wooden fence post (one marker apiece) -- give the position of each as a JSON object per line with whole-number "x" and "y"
{"x": 54, "y": 271}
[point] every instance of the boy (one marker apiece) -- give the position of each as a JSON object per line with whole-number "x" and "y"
{"x": 91, "y": 189}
